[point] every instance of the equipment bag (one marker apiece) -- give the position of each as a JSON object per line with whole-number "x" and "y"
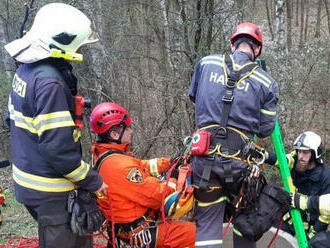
{"x": 200, "y": 143}
{"x": 272, "y": 204}
{"x": 181, "y": 201}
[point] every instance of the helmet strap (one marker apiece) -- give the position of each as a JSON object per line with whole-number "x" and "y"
{"x": 121, "y": 134}
{"x": 118, "y": 141}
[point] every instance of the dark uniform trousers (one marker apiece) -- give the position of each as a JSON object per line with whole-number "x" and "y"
{"x": 209, "y": 216}
{"x": 53, "y": 226}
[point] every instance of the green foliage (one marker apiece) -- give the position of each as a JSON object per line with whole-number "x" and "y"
{"x": 16, "y": 220}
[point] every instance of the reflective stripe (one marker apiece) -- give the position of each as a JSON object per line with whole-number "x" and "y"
{"x": 324, "y": 219}
{"x": 267, "y": 112}
{"x": 238, "y": 233}
{"x": 79, "y": 173}
{"x": 41, "y": 123}
{"x": 206, "y": 204}
{"x": 286, "y": 216}
{"x": 306, "y": 225}
{"x": 213, "y": 62}
{"x": 76, "y": 135}
{"x": 213, "y": 57}
{"x": 41, "y": 183}
{"x": 172, "y": 185}
{"x": 324, "y": 208}
{"x": 208, "y": 242}
{"x": 153, "y": 167}
{"x": 263, "y": 82}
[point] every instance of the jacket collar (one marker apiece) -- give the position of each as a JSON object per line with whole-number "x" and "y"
{"x": 100, "y": 148}
{"x": 314, "y": 174}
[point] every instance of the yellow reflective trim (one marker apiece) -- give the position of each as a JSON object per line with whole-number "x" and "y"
{"x": 55, "y": 53}
{"x": 324, "y": 219}
{"x": 40, "y": 123}
{"x": 238, "y": 233}
{"x": 79, "y": 173}
{"x": 267, "y": 112}
{"x": 55, "y": 125}
{"x": 306, "y": 225}
{"x": 206, "y": 204}
{"x": 324, "y": 206}
{"x": 208, "y": 242}
{"x": 291, "y": 186}
{"x": 153, "y": 167}
{"x": 76, "y": 135}
{"x": 41, "y": 183}
{"x": 224, "y": 68}
{"x": 49, "y": 116}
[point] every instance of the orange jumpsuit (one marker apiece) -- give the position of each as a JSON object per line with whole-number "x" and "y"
{"x": 134, "y": 188}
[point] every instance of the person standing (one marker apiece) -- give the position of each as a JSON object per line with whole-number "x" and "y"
{"x": 45, "y": 143}
{"x": 234, "y": 99}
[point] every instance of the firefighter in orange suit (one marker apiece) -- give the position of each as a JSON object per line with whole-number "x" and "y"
{"x": 135, "y": 194}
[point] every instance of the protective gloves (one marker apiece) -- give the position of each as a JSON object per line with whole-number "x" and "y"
{"x": 86, "y": 217}
{"x": 299, "y": 201}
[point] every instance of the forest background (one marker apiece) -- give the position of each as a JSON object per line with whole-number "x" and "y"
{"x": 146, "y": 56}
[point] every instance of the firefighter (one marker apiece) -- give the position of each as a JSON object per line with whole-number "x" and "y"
{"x": 310, "y": 176}
{"x": 234, "y": 99}
{"x": 317, "y": 205}
{"x": 45, "y": 144}
{"x": 134, "y": 194}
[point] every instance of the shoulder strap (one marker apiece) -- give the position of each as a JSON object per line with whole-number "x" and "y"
{"x": 105, "y": 155}
{"x": 233, "y": 78}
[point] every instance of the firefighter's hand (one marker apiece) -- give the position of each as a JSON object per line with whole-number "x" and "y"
{"x": 299, "y": 201}
{"x": 85, "y": 214}
{"x": 103, "y": 189}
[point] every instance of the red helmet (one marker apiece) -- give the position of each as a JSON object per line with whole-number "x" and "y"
{"x": 106, "y": 115}
{"x": 247, "y": 29}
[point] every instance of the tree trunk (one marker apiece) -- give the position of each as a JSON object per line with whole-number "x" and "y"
{"x": 7, "y": 65}
{"x": 327, "y": 9}
{"x": 318, "y": 20}
{"x": 306, "y": 20}
{"x": 297, "y": 13}
{"x": 210, "y": 14}
{"x": 302, "y": 13}
{"x": 198, "y": 33}
{"x": 279, "y": 22}
{"x": 269, "y": 19}
{"x": 289, "y": 25}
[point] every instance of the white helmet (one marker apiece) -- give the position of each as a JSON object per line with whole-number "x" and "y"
{"x": 309, "y": 141}
{"x": 57, "y": 26}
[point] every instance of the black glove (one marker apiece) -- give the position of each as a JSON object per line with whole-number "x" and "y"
{"x": 86, "y": 217}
